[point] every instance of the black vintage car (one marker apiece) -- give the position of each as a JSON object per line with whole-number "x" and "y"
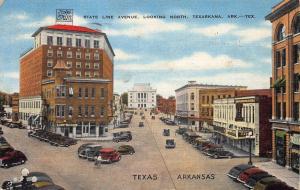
{"x": 83, "y": 146}
{"x": 222, "y": 154}
{"x": 181, "y": 131}
{"x": 250, "y": 183}
{"x": 122, "y": 137}
{"x": 141, "y": 124}
{"x": 90, "y": 152}
{"x": 126, "y": 149}
{"x": 237, "y": 170}
{"x": 170, "y": 143}
{"x": 1, "y": 132}
{"x": 166, "y": 132}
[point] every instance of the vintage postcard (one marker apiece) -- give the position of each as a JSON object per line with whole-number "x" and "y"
{"x": 149, "y": 95}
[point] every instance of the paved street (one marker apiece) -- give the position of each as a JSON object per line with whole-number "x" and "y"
{"x": 164, "y": 169}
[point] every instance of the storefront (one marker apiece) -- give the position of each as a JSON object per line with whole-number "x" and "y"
{"x": 295, "y": 151}
{"x": 280, "y": 147}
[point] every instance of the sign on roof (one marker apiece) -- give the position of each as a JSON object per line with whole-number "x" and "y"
{"x": 64, "y": 15}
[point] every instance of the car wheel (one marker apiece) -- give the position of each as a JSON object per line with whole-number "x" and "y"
{"x": 215, "y": 156}
{"x": 230, "y": 156}
{"x": 131, "y": 152}
{"x": 22, "y": 161}
{"x": 6, "y": 165}
{"x": 127, "y": 140}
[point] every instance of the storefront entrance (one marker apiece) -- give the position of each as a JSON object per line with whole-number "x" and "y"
{"x": 295, "y": 152}
{"x": 280, "y": 147}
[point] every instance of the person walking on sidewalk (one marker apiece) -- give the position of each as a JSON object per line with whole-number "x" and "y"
{"x": 98, "y": 161}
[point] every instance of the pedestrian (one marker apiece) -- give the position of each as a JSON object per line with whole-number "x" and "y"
{"x": 98, "y": 161}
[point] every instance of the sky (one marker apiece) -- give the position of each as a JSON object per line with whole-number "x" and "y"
{"x": 164, "y": 52}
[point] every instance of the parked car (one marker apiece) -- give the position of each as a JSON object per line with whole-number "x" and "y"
{"x": 83, "y": 146}
{"x": 90, "y": 151}
{"x": 1, "y": 131}
{"x": 170, "y": 143}
{"x": 40, "y": 176}
{"x": 141, "y": 124}
{"x": 2, "y": 140}
{"x": 126, "y": 149}
{"x": 12, "y": 158}
{"x": 15, "y": 125}
{"x": 250, "y": 183}
{"x": 210, "y": 151}
{"x": 122, "y": 137}
{"x": 237, "y": 170}
{"x": 180, "y": 131}
{"x": 4, "y": 151}
{"x": 109, "y": 155}
{"x": 222, "y": 154}
{"x": 245, "y": 175}
{"x": 166, "y": 132}
{"x": 170, "y": 122}
{"x": 265, "y": 182}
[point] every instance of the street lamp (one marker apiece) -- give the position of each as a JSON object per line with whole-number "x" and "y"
{"x": 250, "y": 137}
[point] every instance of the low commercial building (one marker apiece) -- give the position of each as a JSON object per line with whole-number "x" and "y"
{"x": 142, "y": 95}
{"x": 187, "y": 102}
{"x": 235, "y": 118}
{"x": 166, "y": 105}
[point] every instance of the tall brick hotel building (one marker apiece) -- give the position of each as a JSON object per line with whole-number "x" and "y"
{"x": 66, "y": 81}
{"x": 285, "y": 19}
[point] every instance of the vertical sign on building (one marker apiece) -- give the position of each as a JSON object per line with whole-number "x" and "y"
{"x": 64, "y": 16}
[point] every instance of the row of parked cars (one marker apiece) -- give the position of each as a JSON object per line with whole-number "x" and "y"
{"x": 12, "y": 124}
{"x": 96, "y": 152}
{"x": 34, "y": 181}
{"x": 10, "y": 157}
{"x": 125, "y": 123}
{"x": 167, "y": 121}
{"x": 52, "y": 138}
{"x": 204, "y": 145}
{"x": 254, "y": 178}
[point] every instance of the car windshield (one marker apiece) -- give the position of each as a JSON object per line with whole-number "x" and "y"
{"x": 170, "y": 142}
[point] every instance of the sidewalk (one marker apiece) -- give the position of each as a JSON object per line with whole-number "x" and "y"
{"x": 289, "y": 177}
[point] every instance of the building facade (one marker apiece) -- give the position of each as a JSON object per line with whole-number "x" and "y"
{"x": 142, "y": 95}
{"x": 71, "y": 91}
{"x": 187, "y": 102}
{"x": 285, "y": 19}
{"x": 234, "y": 118}
{"x": 15, "y": 107}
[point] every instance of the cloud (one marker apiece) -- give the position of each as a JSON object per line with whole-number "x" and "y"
{"x": 11, "y": 75}
{"x": 267, "y": 61}
{"x": 50, "y": 20}
{"x": 26, "y": 36}
{"x": 215, "y": 30}
{"x": 196, "y": 61}
{"x": 124, "y": 56}
{"x": 244, "y": 34}
{"x": 144, "y": 27}
{"x": 253, "y": 34}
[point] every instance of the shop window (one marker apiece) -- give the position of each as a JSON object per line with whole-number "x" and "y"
{"x": 92, "y": 128}
{"x": 79, "y": 129}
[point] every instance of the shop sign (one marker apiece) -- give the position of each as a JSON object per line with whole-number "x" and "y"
{"x": 295, "y": 139}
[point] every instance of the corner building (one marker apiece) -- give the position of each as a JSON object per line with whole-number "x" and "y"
{"x": 66, "y": 81}
{"x": 285, "y": 19}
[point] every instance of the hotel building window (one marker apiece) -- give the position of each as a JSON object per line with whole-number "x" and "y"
{"x": 69, "y": 64}
{"x": 59, "y": 41}
{"x": 102, "y": 111}
{"x": 79, "y": 111}
{"x": 49, "y": 73}
{"x": 281, "y": 32}
{"x": 49, "y": 40}
{"x": 93, "y": 93}
{"x": 78, "y": 42}
{"x": 78, "y": 65}
{"x": 283, "y": 58}
{"x": 79, "y": 92}
{"x": 87, "y": 56}
{"x": 59, "y": 53}
{"x": 78, "y": 55}
{"x": 296, "y": 111}
{"x": 49, "y": 63}
{"x": 96, "y": 44}
{"x": 70, "y": 110}
{"x": 87, "y": 74}
{"x": 96, "y": 65}
{"x": 87, "y": 43}
{"x": 102, "y": 94}
{"x": 60, "y": 91}
{"x": 296, "y": 82}
{"x": 78, "y": 73}
{"x": 96, "y": 56}
{"x": 92, "y": 111}
{"x": 86, "y": 93}
{"x": 69, "y": 42}
{"x": 192, "y": 96}
{"x": 50, "y": 53}
{"x": 277, "y": 59}
{"x": 86, "y": 110}
{"x": 96, "y": 74}
{"x": 69, "y": 54}
{"x": 87, "y": 65}
{"x": 69, "y": 73}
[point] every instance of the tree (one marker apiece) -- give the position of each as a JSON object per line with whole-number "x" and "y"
{"x": 171, "y": 97}
{"x": 124, "y": 98}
